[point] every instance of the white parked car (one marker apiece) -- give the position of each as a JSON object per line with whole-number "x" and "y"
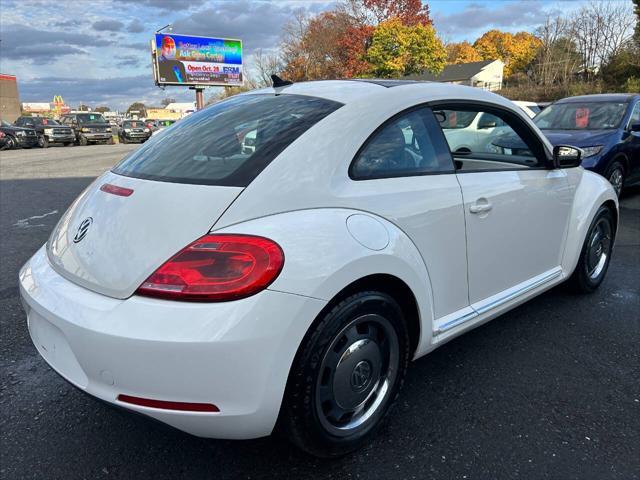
{"x": 229, "y": 293}
{"x": 530, "y": 108}
{"x": 470, "y": 131}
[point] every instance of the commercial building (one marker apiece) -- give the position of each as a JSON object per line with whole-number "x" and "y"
{"x": 9, "y": 98}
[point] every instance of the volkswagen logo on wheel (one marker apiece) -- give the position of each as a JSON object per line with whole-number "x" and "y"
{"x": 361, "y": 375}
{"x": 83, "y": 229}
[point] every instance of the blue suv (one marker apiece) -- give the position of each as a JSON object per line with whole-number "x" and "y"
{"x": 606, "y": 127}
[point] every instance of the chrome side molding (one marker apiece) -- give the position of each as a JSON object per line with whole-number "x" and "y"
{"x": 501, "y": 300}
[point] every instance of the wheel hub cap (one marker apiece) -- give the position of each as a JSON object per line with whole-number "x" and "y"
{"x": 356, "y": 374}
{"x": 599, "y": 247}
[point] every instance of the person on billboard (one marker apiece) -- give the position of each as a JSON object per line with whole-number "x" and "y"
{"x": 168, "y": 48}
{"x": 170, "y": 70}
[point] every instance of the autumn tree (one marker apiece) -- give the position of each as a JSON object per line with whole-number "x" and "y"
{"x": 329, "y": 45}
{"x": 516, "y": 51}
{"x": 374, "y": 12}
{"x": 462, "y": 52}
{"x": 398, "y": 49}
{"x": 355, "y": 42}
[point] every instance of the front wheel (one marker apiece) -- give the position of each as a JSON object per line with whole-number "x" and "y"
{"x": 11, "y": 143}
{"x": 83, "y": 141}
{"x": 615, "y": 175}
{"x": 43, "y": 142}
{"x": 596, "y": 253}
{"x": 346, "y": 375}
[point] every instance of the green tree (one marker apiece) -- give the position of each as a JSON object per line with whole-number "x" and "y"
{"x": 398, "y": 49}
{"x": 102, "y": 109}
{"x": 138, "y": 108}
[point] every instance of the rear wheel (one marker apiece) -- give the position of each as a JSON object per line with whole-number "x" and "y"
{"x": 615, "y": 175}
{"x": 596, "y": 253}
{"x": 346, "y": 375}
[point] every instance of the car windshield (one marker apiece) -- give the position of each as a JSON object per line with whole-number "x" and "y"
{"x": 581, "y": 116}
{"x": 450, "y": 119}
{"x": 43, "y": 121}
{"x": 207, "y": 147}
{"x": 133, "y": 124}
{"x": 90, "y": 118}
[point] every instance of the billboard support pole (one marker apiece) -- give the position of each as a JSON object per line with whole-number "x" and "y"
{"x": 199, "y": 98}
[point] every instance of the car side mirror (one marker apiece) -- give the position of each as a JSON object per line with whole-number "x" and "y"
{"x": 487, "y": 124}
{"x": 566, "y": 156}
{"x": 635, "y": 127}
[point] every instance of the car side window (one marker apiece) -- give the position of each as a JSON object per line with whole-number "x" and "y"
{"x": 488, "y": 140}
{"x": 635, "y": 115}
{"x": 403, "y": 146}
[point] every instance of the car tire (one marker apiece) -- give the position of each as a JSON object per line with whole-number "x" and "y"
{"x": 346, "y": 375}
{"x": 69, "y": 144}
{"x": 123, "y": 140}
{"x": 83, "y": 141}
{"x": 616, "y": 175}
{"x": 11, "y": 143}
{"x": 595, "y": 255}
{"x": 43, "y": 142}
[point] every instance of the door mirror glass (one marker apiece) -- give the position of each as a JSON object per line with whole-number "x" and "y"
{"x": 635, "y": 127}
{"x": 488, "y": 123}
{"x": 566, "y": 156}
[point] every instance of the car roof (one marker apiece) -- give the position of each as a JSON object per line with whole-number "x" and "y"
{"x": 347, "y": 91}
{"x": 605, "y": 97}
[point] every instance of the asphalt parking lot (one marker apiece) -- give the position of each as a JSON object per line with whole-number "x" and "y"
{"x": 549, "y": 391}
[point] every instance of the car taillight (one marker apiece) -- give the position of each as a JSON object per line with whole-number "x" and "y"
{"x": 217, "y": 268}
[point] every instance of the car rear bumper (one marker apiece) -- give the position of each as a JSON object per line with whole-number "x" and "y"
{"x": 234, "y": 355}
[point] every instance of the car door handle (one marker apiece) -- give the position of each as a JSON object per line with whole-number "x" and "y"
{"x": 480, "y": 208}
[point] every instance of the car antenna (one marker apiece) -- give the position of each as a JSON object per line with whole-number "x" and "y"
{"x": 278, "y": 82}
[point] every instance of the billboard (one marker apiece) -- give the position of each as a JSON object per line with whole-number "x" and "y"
{"x": 196, "y": 61}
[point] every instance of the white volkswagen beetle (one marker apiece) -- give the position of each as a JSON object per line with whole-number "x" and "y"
{"x": 232, "y": 292}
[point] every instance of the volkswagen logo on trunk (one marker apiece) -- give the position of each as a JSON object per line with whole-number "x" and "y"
{"x": 83, "y": 229}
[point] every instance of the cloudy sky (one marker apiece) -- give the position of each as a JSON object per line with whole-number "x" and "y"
{"x": 97, "y": 51}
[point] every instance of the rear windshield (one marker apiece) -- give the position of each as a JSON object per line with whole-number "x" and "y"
{"x": 212, "y": 146}
{"x": 90, "y": 118}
